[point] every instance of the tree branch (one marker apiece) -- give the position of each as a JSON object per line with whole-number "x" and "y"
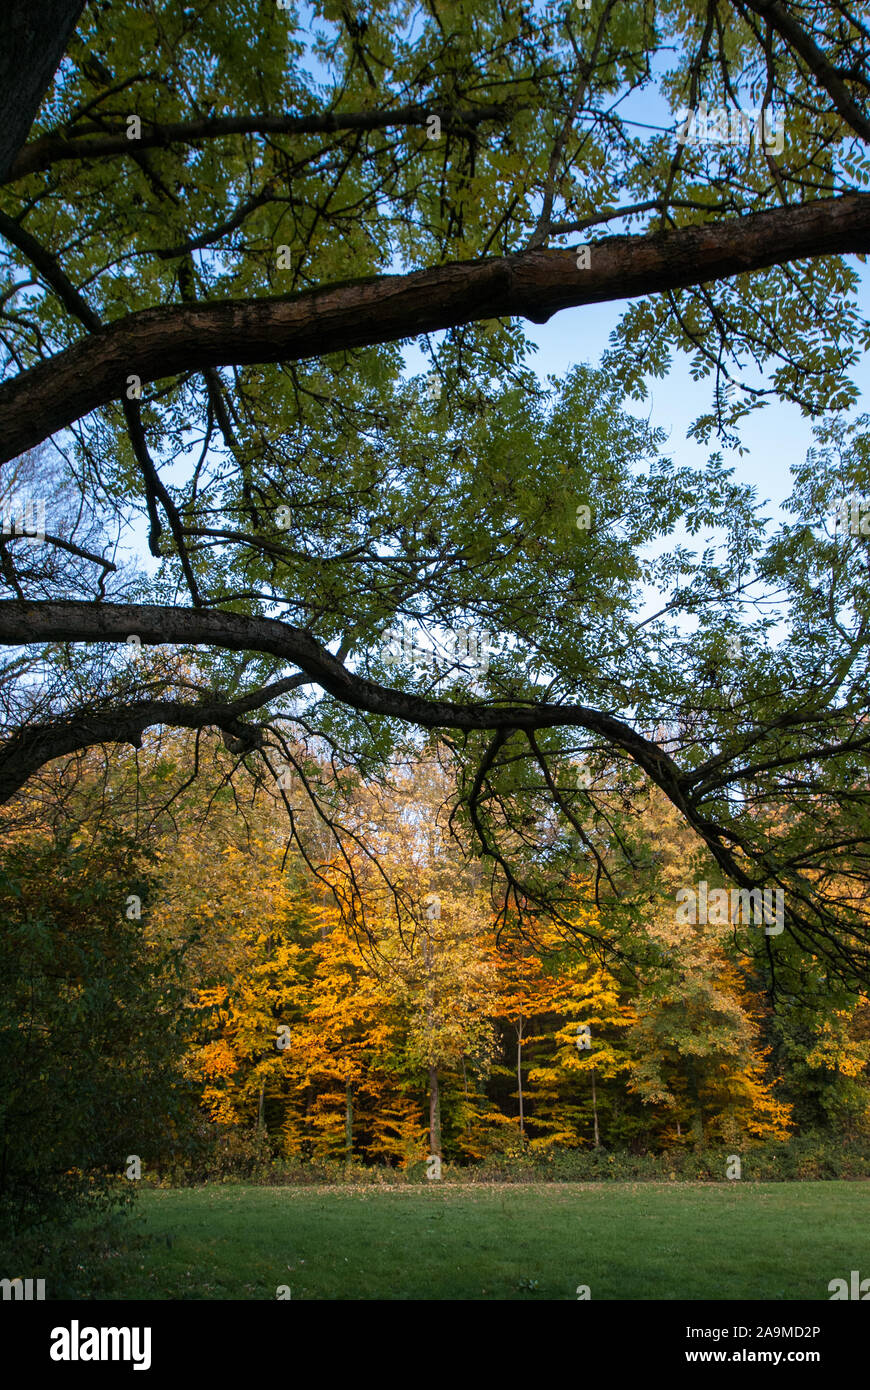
{"x": 71, "y": 621}
{"x": 823, "y": 71}
{"x": 41, "y": 154}
{"x": 35, "y": 745}
{"x": 154, "y": 343}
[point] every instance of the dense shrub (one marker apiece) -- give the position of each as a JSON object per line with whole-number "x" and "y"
{"x": 235, "y": 1156}
{"x": 91, "y": 1042}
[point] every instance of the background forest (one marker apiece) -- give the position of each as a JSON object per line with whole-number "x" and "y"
{"x": 245, "y": 1006}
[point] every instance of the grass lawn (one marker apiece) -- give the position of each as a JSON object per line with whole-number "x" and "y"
{"x": 511, "y": 1241}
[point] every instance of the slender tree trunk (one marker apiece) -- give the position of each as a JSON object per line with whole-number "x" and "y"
{"x": 434, "y": 1113}
{"x": 695, "y": 1091}
{"x": 595, "y": 1112}
{"x": 261, "y": 1109}
{"x": 520, "y": 1080}
{"x": 348, "y": 1119}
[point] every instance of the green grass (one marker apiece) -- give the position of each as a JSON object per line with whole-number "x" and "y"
{"x": 511, "y": 1241}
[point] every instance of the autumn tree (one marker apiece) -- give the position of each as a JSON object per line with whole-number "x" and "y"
{"x": 699, "y": 1056}
{"x": 345, "y": 1059}
{"x": 527, "y": 990}
{"x": 590, "y": 1043}
{"x": 698, "y": 1061}
{"x": 426, "y": 918}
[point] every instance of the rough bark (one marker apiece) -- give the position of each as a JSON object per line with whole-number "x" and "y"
{"x": 35, "y": 35}
{"x": 160, "y": 342}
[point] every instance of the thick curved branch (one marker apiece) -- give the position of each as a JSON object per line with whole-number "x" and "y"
{"x": 154, "y": 343}
{"x": 25, "y": 622}
{"x": 30, "y": 748}
{"x": 70, "y": 621}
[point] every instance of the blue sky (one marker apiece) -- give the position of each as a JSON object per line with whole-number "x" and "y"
{"x": 775, "y": 437}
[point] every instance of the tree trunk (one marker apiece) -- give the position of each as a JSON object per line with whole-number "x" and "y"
{"x": 434, "y": 1113}
{"x": 348, "y": 1119}
{"x": 520, "y": 1080}
{"x": 595, "y": 1112}
{"x": 35, "y": 36}
{"x": 261, "y": 1108}
{"x": 695, "y": 1092}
